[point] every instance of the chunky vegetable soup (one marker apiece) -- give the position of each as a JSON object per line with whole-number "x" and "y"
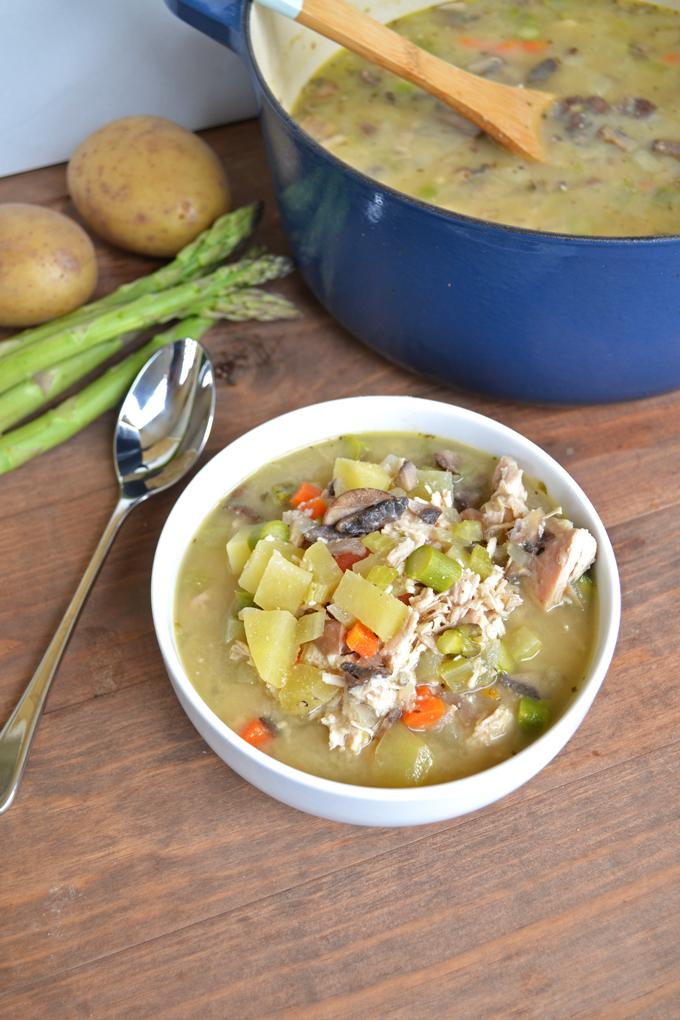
{"x": 388, "y": 610}
{"x": 612, "y": 140}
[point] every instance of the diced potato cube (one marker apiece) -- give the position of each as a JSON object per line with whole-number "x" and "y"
{"x": 430, "y": 480}
{"x": 402, "y": 758}
{"x": 304, "y": 690}
{"x": 319, "y": 561}
{"x": 310, "y": 627}
{"x": 523, "y": 644}
{"x": 238, "y": 550}
{"x": 260, "y": 557}
{"x": 272, "y": 639}
{"x": 378, "y": 610}
{"x": 361, "y": 474}
{"x": 283, "y": 585}
{"x": 365, "y": 566}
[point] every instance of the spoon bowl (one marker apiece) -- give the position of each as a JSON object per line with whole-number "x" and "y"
{"x": 162, "y": 427}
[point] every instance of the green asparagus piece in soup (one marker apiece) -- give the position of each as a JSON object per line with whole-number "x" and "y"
{"x": 399, "y": 644}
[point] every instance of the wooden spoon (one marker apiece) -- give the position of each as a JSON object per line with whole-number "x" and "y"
{"x": 512, "y": 116}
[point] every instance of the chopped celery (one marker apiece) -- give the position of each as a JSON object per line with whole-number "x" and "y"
{"x": 304, "y": 690}
{"x": 506, "y": 661}
{"x": 382, "y": 576}
{"x": 480, "y": 562}
{"x": 468, "y": 531}
{"x": 464, "y": 640}
{"x": 356, "y": 447}
{"x": 281, "y": 493}
{"x": 431, "y": 480}
{"x": 428, "y": 665}
{"x": 402, "y": 758}
{"x": 431, "y": 567}
{"x": 523, "y": 644}
{"x": 274, "y": 529}
{"x": 583, "y": 589}
{"x": 532, "y": 715}
{"x": 241, "y": 600}
{"x": 232, "y": 630}
{"x": 238, "y": 550}
{"x": 310, "y": 627}
{"x": 456, "y": 673}
{"x": 318, "y": 594}
{"x": 365, "y": 566}
{"x": 378, "y": 543}
{"x": 457, "y": 551}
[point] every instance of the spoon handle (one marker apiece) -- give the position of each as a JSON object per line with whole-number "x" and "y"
{"x": 512, "y": 116}
{"x": 16, "y": 737}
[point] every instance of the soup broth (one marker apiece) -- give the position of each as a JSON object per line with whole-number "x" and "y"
{"x": 612, "y": 140}
{"x": 385, "y": 610}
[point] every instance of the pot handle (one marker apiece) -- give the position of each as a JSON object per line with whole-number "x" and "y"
{"x": 223, "y": 20}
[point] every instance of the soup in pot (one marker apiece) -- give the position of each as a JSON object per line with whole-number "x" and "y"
{"x": 612, "y": 139}
{"x": 388, "y": 610}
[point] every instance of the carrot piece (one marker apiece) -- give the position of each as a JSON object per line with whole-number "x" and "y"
{"x": 256, "y": 733}
{"x": 313, "y": 507}
{"x": 534, "y": 45}
{"x": 362, "y": 640}
{"x": 509, "y": 44}
{"x": 347, "y": 560}
{"x": 304, "y": 493}
{"x": 473, "y": 44}
{"x": 427, "y": 710}
{"x": 670, "y": 58}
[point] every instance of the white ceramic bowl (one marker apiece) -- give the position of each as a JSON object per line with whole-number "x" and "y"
{"x": 340, "y": 801}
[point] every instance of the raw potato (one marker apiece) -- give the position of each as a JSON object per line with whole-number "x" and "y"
{"x": 47, "y": 264}
{"x": 147, "y": 185}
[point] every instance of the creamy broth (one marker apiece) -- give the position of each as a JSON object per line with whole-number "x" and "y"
{"x": 535, "y": 661}
{"x": 613, "y": 139}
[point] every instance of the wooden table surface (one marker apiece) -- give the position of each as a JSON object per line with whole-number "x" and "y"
{"x": 141, "y": 878}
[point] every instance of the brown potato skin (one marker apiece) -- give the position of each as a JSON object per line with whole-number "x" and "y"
{"x": 47, "y": 264}
{"x": 147, "y": 185}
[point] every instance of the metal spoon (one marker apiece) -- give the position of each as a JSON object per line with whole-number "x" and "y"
{"x": 162, "y": 428}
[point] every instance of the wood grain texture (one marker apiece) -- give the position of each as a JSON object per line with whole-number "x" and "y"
{"x": 141, "y": 878}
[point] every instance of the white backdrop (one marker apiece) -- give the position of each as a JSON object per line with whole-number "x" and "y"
{"x": 69, "y": 66}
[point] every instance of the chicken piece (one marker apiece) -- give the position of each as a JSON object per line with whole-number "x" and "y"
{"x": 509, "y": 499}
{"x": 496, "y": 725}
{"x": 567, "y": 553}
{"x": 528, "y": 531}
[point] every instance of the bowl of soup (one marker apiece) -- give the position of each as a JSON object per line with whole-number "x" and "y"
{"x": 389, "y": 627}
{"x": 548, "y": 282}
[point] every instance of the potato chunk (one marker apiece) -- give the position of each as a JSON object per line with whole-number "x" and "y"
{"x": 260, "y": 557}
{"x": 283, "y": 585}
{"x": 272, "y": 639}
{"x": 361, "y": 474}
{"x": 304, "y": 690}
{"x": 402, "y": 758}
{"x": 322, "y": 565}
{"x": 382, "y": 613}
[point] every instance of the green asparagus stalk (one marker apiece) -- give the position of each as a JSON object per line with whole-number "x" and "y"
{"x": 32, "y": 394}
{"x": 183, "y": 301}
{"x": 52, "y": 428}
{"x": 193, "y": 261}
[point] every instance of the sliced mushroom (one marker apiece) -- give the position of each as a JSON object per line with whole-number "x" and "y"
{"x": 617, "y": 138}
{"x": 447, "y": 461}
{"x": 518, "y": 686}
{"x": 667, "y": 148}
{"x": 357, "y": 676}
{"x": 543, "y": 70}
{"x": 352, "y": 501}
{"x": 427, "y": 513}
{"x": 347, "y": 545}
{"x": 407, "y": 476}
{"x": 373, "y": 518}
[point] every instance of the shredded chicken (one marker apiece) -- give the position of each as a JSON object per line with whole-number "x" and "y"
{"x": 496, "y": 725}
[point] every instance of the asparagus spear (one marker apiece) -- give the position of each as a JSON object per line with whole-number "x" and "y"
{"x": 74, "y": 414}
{"x": 30, "y": 395}
{"x": 185, "y": 300}
{"x": 210, "y": 248}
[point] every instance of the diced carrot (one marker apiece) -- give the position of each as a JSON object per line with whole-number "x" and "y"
{"x": 509, "y": 44}
{"x": 304, "y": 493}
{"x": 473, "y": 44}
{"x": 534, "y": 45}
{"x": 347, "y": 560}
{"x": 256, "y": 733}
{"x": 362, "y": 640}
{"x": 670, "y": 58}
{"x": 313, "y": 507}
{"x": 426, "y": 711}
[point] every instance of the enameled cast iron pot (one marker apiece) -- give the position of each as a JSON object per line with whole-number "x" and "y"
{"x": 509, "y": 312}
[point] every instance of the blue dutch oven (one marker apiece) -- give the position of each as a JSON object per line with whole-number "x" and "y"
{"x": 508, "y": 312}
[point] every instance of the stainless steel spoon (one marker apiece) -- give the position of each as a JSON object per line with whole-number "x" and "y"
{"x": 162, "y": 428}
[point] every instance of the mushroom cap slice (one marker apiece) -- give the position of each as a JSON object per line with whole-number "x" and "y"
{"x": 352, "y": 501}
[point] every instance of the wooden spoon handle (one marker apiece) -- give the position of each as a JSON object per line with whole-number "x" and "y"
{"x": 512, "y": 116}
